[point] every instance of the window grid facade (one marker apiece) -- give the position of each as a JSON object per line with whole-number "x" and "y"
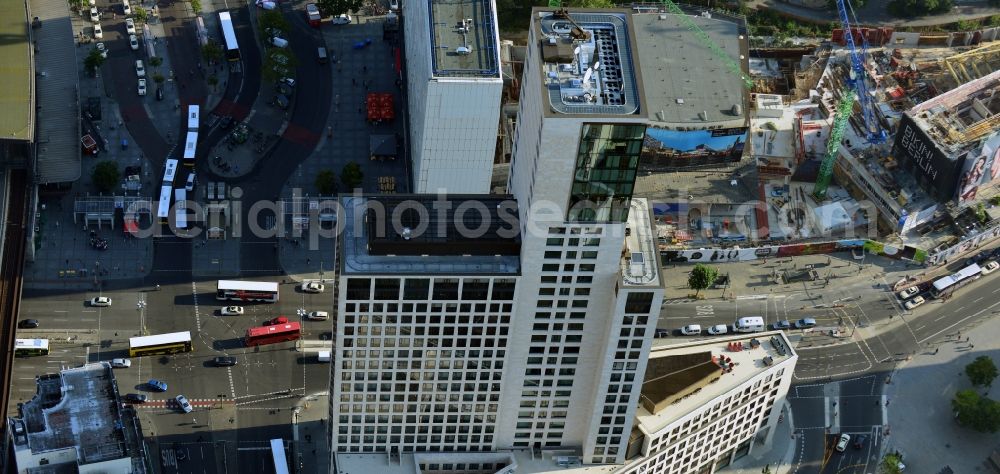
{"x": 420, "y": 363}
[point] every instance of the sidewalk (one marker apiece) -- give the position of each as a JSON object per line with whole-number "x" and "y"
{"x": 778, "y": 456}
{"x": 920, "y": 421}
{"x": 309, "y": 419}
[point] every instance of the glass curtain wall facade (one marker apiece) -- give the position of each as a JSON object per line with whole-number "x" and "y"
{"x": 605, "y": 173}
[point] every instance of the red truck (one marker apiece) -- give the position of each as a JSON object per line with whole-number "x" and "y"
{"x": 312, "y": 12}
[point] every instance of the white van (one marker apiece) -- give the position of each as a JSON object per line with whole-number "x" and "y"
{"x": 749, "y": 324}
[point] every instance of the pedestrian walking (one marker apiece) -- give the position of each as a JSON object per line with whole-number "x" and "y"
{"x": 972, "y": 346}
{"x": 936, "y": 350}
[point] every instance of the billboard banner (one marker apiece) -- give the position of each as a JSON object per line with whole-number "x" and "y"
{"x": 981, "y": 168}
{"x": 664, "y": 148}
{"x": 935, "y": 173}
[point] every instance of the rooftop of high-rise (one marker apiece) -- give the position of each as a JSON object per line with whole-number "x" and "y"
{"x": 464, "y": 38}
{"x": 430, "y": 234}
{"x": 640, "y": 258}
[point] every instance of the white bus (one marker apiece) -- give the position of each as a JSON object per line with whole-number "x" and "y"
{"x": 31, "y": 347}
{"x": 193, "y": 118}
{"x": 180, "y": 208}
{"x": 190, "y": 147}
{"x": 278, "y": 455}
{"x": 229, "y": 35}
{"x": 169, "y": 172}
{"x": 159, "y": 344}
{"x": 235, "y": 290}
{"x": 946, "y": 285}
{"x": 163, "y": 211}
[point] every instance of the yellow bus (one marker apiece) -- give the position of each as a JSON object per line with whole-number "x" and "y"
{"x": 160, "y": 344}
{"x": 31, "y": 347}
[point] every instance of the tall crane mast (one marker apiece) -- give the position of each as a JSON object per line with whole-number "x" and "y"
{"x": 873, "y": 130}
{"x": 844, "y": 109}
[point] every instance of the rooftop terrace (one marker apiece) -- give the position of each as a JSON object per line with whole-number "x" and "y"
{"x": 640, "y": 264}
{"x": 464, "y": 38}
{"x": 681, "y": 378}
{"x": 587, "y": 61}
{"x": 421, "y": 234}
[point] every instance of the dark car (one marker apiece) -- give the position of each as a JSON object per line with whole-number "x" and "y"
{"x": 135, "y": 398}
{"x": 662, "y": 333}
{"x": 783, "y": 324}
{"x": 283, "y": 89}
{"x": 226, "y": 122}
{"x": 224, "y": 361}
{"x": 282, "y": 101}
{"x": 28, "y": 324}
{"x": 157, "y": 385}
{"x": 159, "y": 93}
{"x": 996, "y": 253}
{"x": 859, "y": 441}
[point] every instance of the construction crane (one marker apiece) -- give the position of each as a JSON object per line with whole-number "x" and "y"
{"x": 873, "y": 131}
{"x": 844, "y": 109}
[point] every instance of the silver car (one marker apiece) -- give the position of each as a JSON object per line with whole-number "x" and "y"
{"x": 182, "y": 402}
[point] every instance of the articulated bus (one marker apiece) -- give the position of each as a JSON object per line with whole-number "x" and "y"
{"x": 31, "y": 347}
{"x": 278, "y": 456}
{"x": 190, "y": 147}
{"x": 194, "y": 120}
{"x": 229, "y": 34}
{"x": 163, "y": 209}
{"x": 235, "y": 290}
{"x": 944, "y": 286}
{"x": 169, "y": 172}
{"x": 160, "y": 344}
{"x": 272, "y": 334}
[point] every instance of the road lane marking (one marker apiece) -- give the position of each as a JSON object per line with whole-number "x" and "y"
{"x": 60, "y": 311}
{"x": 978, "y": 299}
{"x": 960, "y": 321}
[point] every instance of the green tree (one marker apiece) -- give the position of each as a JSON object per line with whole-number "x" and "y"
{"x": 106, "y": 176}
{"x": 93, "y": 61}
{"x": 139, "y": 14}
{"x": 337, "y": 7}
{"x": 981, "y": 371}
{"x": 702, "y": 277}
{"x": 76, "y": 4}
{"x": 211, "y": 52}
{"x": 326, "y": 182}
{"x": 155, "y": 61}
{"x": 966, "y": 25}
{"x": 212, "y": 81}
{"x": 589, "y": 3}
{"x": 976, "y": 412}
{"x": 890, "y": 464}
{"x": 158, "y": 78}
{"x": 272, "y": 19}
{"x": 351, "y": 176}
{"x": 196, "y": 6}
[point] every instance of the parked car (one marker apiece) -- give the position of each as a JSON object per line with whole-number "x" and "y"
{"x": 914, "y": 302}
{"x": 907, "y": 293}
{"x": 157, "y": 385}
{"x": 777, "y": 192}
{"x": 660, "y": 332}
{"x": 342, "y": 19}
{"x": 842, "y": 442}
{"x": 121, "y": 363}
{"x": 783, "y": 324}
{"x": 102, "y": 49}
{"x": 224, "y": 361}
{"x": 126, "y": 8}
{"x": 278, "y": 320}
{"x": 313, "y": 287}
{"x": 805, "y": 323}
{"x": 691, "y": 330}
{"x": 990, "y": 267}
{"x": 189, "y": 186}
{"x": 98, "y": 32}
{"x": 133, "y": 42}
{"x": 859, "y": 441}
{"x": 135, "y": 398}
{"x": 140, "y": 69}
{"x": 101, "y": 301}
{"x": 232, "y": 311}
{"x": 94, "y": 15}
{"x": 130, "y": 26}
{"x": 718, "y": 329}
{"x": 393, "y": 5}
{"x": 318, "y": 316}
{"x": 288, "y": 81}
{"x": 142, "y": 87}
{"x": 182, "y": 402}
{"x": 28, "y": 324}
